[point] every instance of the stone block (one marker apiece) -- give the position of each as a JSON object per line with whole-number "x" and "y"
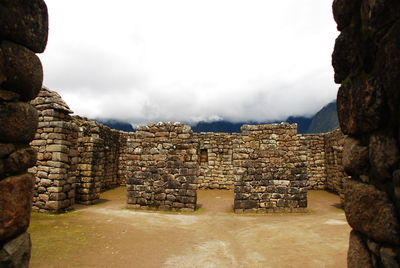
{"x": 6, "y": 149}
{"x": 15, "y": 205}
{"x": 16, "y": 253}
{"x": 370, "y": 211}
{"x": 20, "y": 160}
{"x": 25, "y": 23}
{"x": 18, "y": 122}
{"x": 22, "y": 69}
{"x": 358, "y": 255}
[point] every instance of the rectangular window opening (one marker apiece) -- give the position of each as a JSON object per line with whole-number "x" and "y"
{"x": 203, "y": 157}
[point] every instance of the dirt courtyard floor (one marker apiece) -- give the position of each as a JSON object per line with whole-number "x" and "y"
{"x": 109, "y": 235}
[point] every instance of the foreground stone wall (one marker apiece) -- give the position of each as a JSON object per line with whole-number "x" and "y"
{"x": 163, "y": 170}
{"x": 23, "y": 32}
{"x": 271, "y": 175}
{"x": 216, "y": 169}
{"x": 366, "y": 60}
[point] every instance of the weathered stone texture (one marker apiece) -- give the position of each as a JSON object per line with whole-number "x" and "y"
{"x": 23, "y": 70}
{"x": 18, "y": 121}
{"x": 98, "y": 154}
{"x": 355, "y": 157}
{"x": 314, "y": 147}
{"x": 16, "y": 252}
{"x": 163, "y": 164}
{"x": 57, "y": 156}
{"x": 367, "y": 64}
{"x": 163, "y": 167}
{"x": 358, "y": 255}
{"x": 15, "y": 205}
{"x": 23, "y": 31}
{"x": 24, "y": 22}
{"x": 216, "y": 169}
{"x": 336, "y": 177}
{"x": 270, "y": 175}
{"x": 369, "y": 211}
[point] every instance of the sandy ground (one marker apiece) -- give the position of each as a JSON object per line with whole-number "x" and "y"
{"x": 109, "y": 235}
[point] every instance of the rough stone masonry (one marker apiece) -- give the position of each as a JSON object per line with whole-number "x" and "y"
{"x": 270, "y": 167}
{"x": 23, "y": 32}
{"x": 366, "y": 60}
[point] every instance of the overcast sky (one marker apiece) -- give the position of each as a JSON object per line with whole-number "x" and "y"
{"x": 185, "y": 60}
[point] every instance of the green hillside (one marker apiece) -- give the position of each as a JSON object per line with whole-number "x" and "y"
{"x": 325, "y": 120}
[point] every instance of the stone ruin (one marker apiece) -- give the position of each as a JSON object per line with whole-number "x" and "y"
{"x": 366, "y": 60}
{"x": 269, "y": 167}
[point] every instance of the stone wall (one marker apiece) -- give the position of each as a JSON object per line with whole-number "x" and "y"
{"x": 163, "y": 164}
{"x": 270, "y": 172}
{"x": 23, "y": 32}
{"x": 57, "y": 154}
{"x": 163, "y": 170}
{"x": 99, "y": 150}
{"x": 366, "y": 60}
{"x": 314, "y": 146}
{"x": 336, "y": 177}
{"x": 216, "y": 166}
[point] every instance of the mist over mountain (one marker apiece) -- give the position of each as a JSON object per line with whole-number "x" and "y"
{"x": 323, "y": 121}
{"x": 116, "y": 124}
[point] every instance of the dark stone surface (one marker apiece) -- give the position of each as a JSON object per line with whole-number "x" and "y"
{"x": 345, "y": 59}
{"x": 361, "y": 106}
{"x": 18, "y": 122}
{"x": 358, "y": 255}
{"x": 396, "y": 183}
{"x": 15, "y": 205}
{"x": 24, "y": 22}
{"x": 6, "y": 149}
{"x": 16, "y": 253}
{"x": 389, "y": 63}
{"x": 355, "y": 157}
{"x": 369, "y": 211}
{"x": 23, "y": 70}
{"x": 9, "y": 95}
{"x": 383, "y": 155}
{"x": 343, "y": 12}
{"x": 19, "y": 161}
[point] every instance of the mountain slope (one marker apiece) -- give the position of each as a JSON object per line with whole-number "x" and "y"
{"x": 116, "y": 124}
{"x": 325, "y": 120}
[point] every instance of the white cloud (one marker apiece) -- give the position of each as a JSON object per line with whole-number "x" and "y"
{"x": 186, "y": 60}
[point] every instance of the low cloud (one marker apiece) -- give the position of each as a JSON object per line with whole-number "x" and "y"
{"x": 190, "y": 61}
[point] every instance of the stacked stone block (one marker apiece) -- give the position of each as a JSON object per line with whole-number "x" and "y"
{"x": 23, "y": 32}
{"x": 80, "y": 158}
{"x": 336, "y": 177}
{"x": 55, "y": 143}
{"x": 164, "y": 168}
{"x": 366, "y": 60}
{"x": 99, "y": 150}
{"x": 270, "y": 175}
{"x": 217, "y": 171}
{"x": 314, "y": 146}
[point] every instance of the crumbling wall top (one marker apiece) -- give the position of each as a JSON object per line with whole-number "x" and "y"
{"x": 48, "y": 99}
